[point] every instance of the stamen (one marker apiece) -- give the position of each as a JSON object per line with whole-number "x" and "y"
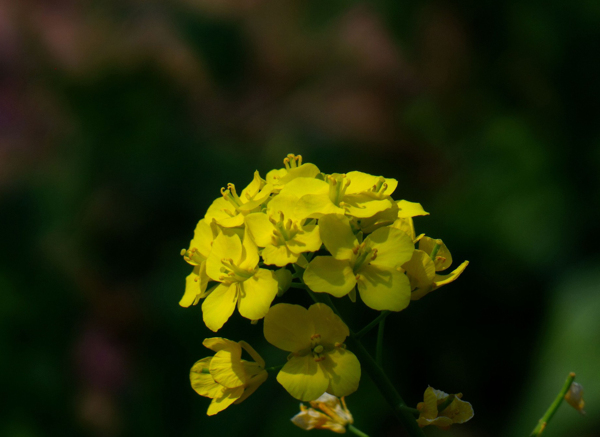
{"x": 312, "y": 337}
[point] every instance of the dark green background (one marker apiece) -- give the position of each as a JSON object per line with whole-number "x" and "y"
{"x": 120, "y": 122}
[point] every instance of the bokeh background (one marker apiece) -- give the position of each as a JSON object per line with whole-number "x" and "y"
{"x": 121, "y": 120}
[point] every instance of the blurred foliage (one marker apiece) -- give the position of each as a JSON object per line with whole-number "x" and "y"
{"x": 120, "y": 121}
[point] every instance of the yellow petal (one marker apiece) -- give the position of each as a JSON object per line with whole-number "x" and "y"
{"x": 224, "y": 247}
{"x": 226, "y": 368}
{"x": 343, "y": 369}
{"x": 278, "y": 255}
{"x": 405, "y": 225}
{"x": 195, "y": 285}
{"x": 308, "y": 240}
{"x": 224, "y": 213}
{"x": 365, "y": 206}
{"x": 362, "y": 182}
{"x": 253, "y": 188}
{"x": 315, "y": 206}
{"x": 440, "y": 280}
{"x": 225, "y": 398}
{"x": 250, "y": 257}
{"x": 284, "y": 203}
{"x": 337, "y": 236}
{"x": 383, "y": 289}
{"x": 326, "y": 274}
{"x": 408, "y": 209}
{"x": 288, "y": 327}
{"x": 204, "y": 234}
{"x": 303, "y": 378}
{"x": 302, "y": 186}
{"x": 218, "y": 343}
{"x": 257, "y": 293}
{"x": 260, "y": 227}
{"x": 252, "y": 385}
{"x": 202, "y": 381}
{"x": 219, "y": 305}
{"x": 327, "y": 324}
{"x": 394, "y": 247}
{"x": 421, "y": 271}
{"x": 443, "y": 259}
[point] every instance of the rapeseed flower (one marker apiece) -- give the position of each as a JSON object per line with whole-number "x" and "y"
{"x": 371, "y": 265}
{"x": 355, "y": 194}
{"x": 319, "y": 361}
{"x": 436, "y": 410}
{"x": 327, "y": 412}
{"x": 431, "y": 257}
{"x": 225, "y": 377}
{"x": 283, "y": 235}
{"x": 234, "y": 263}
{"x": 230, "y": 209}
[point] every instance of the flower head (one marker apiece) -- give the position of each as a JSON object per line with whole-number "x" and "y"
{"x": 442, "y": 410}
{"x": 333, "y": 414}
{"x": 319, "y": 361}
{"x": 225, "y": 377}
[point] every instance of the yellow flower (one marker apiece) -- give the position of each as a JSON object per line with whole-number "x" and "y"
{"x": 457, "y": 411}
{"x": 230, "y": 209}
{"x": 196, "y": 255}
{"x": 334, "y": 415}
{"x": 283, "y": 235}
{"x": 356, "y": 194}
{"x": 319, "y": 361}
{"x": 293, "y": 169}
{"x": 575, "y": 397}
{"x": 234, "y": 264}
{"x": 372, "y": 265}
{"x": 422, "y": 269}
{"x": 225, "y": 377}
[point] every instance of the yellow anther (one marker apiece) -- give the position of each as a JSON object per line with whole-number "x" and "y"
{"x": 312, "y": 337}
{"x": 183, "y": 251}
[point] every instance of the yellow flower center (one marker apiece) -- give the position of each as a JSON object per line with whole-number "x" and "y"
{"x": 317, "y": 349}
{"x": 231, "y": 196}
{"x": 338, "y": 184}
{"x": 292, "y": 161}
{"x": 234, "y": 273}
{"x": 192, "y": 256}
{"x": 363, "y": 255}
{"x": 285, "y": 230}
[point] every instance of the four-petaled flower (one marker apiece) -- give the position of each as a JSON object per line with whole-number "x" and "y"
{"x": 319, "y": 361}
{"x": 225, "y": 377}
{"x": 234, "y": 264}
{"x": 371, "y": 264}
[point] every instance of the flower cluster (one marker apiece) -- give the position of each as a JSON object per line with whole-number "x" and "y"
{"x": 332, "y": 234}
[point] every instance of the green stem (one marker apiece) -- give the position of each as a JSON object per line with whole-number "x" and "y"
{"x": 395, "y": 401}
{"x": 553, "y": 407}
{"x": 356, "y": 431}
{"x": 379, "y": 348}
{"x": 374, "y": 323}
